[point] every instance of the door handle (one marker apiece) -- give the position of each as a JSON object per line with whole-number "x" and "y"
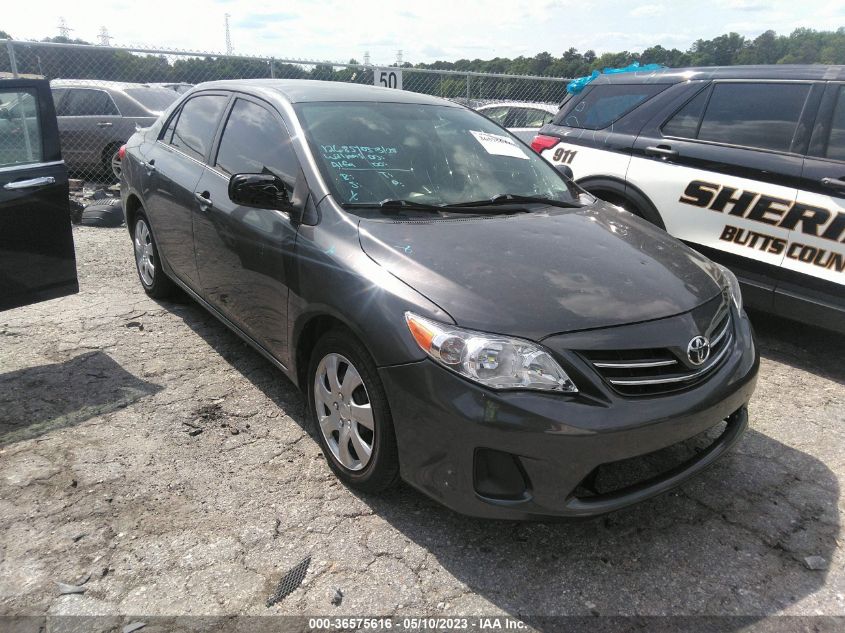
{"x": 204, "y": 199}
{"x": 150, "y": 166}
{"x": 664, "y": 151}
{"x": 28, "y": 184}
{"x": 104, "y": 124}
{"x": 833, "y": 183}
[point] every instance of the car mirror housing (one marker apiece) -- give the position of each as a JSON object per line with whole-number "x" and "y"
{"x": 566, "y": 170}
{"x": 262, "y": 191}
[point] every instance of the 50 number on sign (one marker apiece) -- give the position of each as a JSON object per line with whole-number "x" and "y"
{"x": 388, "y": 78}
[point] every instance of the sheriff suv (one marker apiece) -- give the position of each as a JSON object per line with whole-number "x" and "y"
{"x": 744, "y": 163}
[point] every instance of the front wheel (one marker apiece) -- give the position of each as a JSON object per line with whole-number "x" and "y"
{"x": 147, "y": 261}
{"x": 349, "y": 408}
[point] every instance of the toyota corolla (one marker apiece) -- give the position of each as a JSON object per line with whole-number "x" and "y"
{"x": 458, "y": 313}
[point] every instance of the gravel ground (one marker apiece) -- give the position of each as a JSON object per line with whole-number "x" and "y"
{"x": 146, "y": 448}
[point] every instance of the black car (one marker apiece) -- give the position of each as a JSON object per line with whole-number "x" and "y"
{"x": 37, "y": 259}
{"x": 457, "y": 311}
{"x": 744, "y": 163}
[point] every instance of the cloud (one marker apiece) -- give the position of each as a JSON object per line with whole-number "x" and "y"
{"x": 260, "y": 20}
{"x": 648, "y": 10}
{"x": 746, "y": 5}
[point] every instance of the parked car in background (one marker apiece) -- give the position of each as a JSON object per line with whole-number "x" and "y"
{"x": 37, "y": 259}
{"x": 458, "y": 312}
{"x": 744, "y": 163}
{"x": 178, "y": 87}
{"x": 96, "y": 118}
{"x": 520, "y": 118}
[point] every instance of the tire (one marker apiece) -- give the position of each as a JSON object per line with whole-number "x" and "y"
{"x": 108, "y": 161}
{"x": 147, "y": 261}
{"x": 340, "y": 414}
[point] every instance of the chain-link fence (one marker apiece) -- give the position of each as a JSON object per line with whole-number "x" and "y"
{"x": 98, "y": 109}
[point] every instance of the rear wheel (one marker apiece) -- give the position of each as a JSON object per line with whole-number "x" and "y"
{"x": 111, "y": 161}
{"x": 147, "y": 261}
{"x": 349, "y": 408}
{"x": 116, "y": 164}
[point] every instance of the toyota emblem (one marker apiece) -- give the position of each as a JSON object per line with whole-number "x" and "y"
{"x": 698, "y": 350}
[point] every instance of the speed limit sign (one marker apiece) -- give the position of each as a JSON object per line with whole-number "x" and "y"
{"x": 388, "y": 78}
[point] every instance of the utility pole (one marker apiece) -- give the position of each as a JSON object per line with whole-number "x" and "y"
{"x": 104, "y": 37}
{"x": 64, "y": 30}
{"x": 228, "y": 35}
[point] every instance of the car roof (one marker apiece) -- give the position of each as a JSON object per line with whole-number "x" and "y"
{"x": 96, "y": 83}
{"x": 305, "y": 90}
{"x": 548, "y": 107}
{"x": 773, "y": 71}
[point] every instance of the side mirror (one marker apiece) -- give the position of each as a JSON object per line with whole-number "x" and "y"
{"x": 263, "y": 191}
{"x": 566, "y": 170}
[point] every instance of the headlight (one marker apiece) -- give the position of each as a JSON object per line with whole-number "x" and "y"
{"x": 730, "y": 282}
{"x": 494, "y": 361}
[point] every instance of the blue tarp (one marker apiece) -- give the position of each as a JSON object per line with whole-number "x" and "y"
{"x": 577, "y": 85}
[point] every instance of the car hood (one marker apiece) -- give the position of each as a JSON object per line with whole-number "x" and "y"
{"x": 546, "y": 272}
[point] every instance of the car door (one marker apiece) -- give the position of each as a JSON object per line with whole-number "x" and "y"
{"x": 723, "y": 172}
{"x": 87, "y": 117}
{"x": 174, "y": 166}
{"x": 241, "y": 251}
{"x": 37, "y": 260}
{"x": 814, "y": 266}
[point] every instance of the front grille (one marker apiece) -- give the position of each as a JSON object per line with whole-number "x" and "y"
{"x": 641, "y": 372}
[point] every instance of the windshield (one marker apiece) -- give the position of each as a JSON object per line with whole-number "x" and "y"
{"x": 153, "y": 99}
{"x": 431, "y": 154}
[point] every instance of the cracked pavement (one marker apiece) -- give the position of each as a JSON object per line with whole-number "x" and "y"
{"x": 145, "y": 445}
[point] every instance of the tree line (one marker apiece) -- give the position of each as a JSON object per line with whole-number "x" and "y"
{"x": 802, "y": 46}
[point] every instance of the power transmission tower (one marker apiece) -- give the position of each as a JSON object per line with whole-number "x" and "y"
{"x": 104, "y": 37}
{"x": 64, "y": 29}
{"x": 399, "y": 57}
{"x": 366, "y": 58}
{"x": 228, "y": 36}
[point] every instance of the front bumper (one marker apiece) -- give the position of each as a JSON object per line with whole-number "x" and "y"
{"x": 556, "y": 441}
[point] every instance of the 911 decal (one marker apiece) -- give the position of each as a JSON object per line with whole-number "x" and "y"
{"x": 564, "y": 156}
{"x": 813, "y": 221}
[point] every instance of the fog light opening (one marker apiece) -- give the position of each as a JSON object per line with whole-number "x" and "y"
{"x": 500, "y": 476}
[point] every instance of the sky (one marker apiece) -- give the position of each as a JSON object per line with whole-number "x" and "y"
{"x": 425, "y": 30}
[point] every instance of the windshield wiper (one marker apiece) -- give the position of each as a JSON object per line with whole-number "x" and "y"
{"x": 389, "y": 205}
{"x": 410, "y": 205}
{"x": 513, "y": 198}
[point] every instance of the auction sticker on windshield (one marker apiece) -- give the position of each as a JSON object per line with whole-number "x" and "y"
{"x": 498, "y": 144}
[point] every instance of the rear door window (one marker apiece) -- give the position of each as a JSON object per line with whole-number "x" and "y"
{"x": 497, "y": 114}
{"x": 759, "y": 115}
{"x": 684, "y": 123}
{"x": 836, "y": 142}
{"x": 601, "y": 106}
{"x": 536, "y": 118}
{"x": 197, "y": 124}
{"x": 87, "y": 102}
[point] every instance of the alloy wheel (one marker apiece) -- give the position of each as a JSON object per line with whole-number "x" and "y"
{"x": 116, "y": 166}
{"x": 144, "y": 257}
{"x": 344, "y": 411}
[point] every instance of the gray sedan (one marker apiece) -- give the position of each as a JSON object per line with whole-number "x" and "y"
{"x": 97, "y": 117}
